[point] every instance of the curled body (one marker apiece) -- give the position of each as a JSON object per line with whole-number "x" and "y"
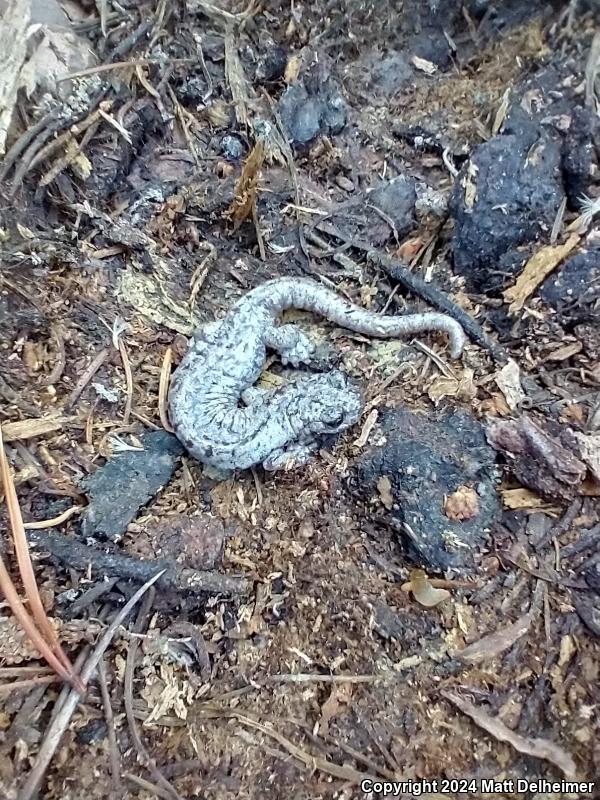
{"x": 224, "y": 421}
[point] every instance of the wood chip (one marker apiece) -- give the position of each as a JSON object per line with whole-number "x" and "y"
{"x": 29, "y": 428}
{"x": 564, "y": 352}
{"x": 367, "y": 428}
{"x": 537, "y": 270}
{"x": 521, "y": 498}
{"x": 530, "y": 746}
{"x": 494, "y": 644}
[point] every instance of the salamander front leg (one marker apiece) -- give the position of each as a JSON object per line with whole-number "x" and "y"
{"x": 293, "y": 346}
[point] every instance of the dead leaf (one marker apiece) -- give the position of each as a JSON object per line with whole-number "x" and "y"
{"x": 494, "y": 644}
{"x": 423, "y": 592}
{"x": 340, "y": 696}
{"x": 423, "y": 65}
{"x": 536, "y": 270}
{"x": 410, "y": 248}
{"x": 590, "y": 487}
{"x": 463, "y": 388}
{"x": 292, "y": 69}
{"x": 495, "y": 406}
{"x": 530, "y": 746}
{"x": 576, "y": 414}
{"x": 246, "y": 190}
{"x": 462, "y": 504}
{"x": 508, "y": 380}
{"x": 219, "y": 114}
{"x": 384, "y": 487}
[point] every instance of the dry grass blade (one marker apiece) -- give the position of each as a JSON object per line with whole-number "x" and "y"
{"x": 45, "y": 630}
{"x": 163, "y": 389}
{"x": 18, "y": 609}
{"x": 57, "y": 728}
{"x": 41, "y": 524}
{"x": 312, "y": 762}
{"x": 129, "y": 381}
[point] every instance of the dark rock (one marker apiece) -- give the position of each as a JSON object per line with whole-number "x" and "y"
{"x": 95, "y": 731}
{"x": 313, "y": 108}
{"x": 507, "y": 194}
{"x": 232, "y": 148}
{"x": 426, "y": 460}
{"x": 426, "y": 26}
{"x": 591, "y": 575}
{"x": 126, "y": 483}
{"x": 390, "y": 72}
{"x": 577, "y": 155}
{"x": 396, "y": 198}
{"x": 407, "y": 628}
{"x": 389, "y": 210}
{"x": 575, "y": 287}
{"x": 271, "y": 65}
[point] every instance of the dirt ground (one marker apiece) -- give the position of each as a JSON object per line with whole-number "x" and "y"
{"x": 144, "y": 221}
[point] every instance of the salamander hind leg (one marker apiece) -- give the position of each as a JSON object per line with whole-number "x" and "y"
{"x": 295, "y": 454}
{"x": 293, "y": 346}
{"x": 256, "y": 396}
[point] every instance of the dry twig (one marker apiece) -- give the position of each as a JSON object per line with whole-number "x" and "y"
{"x": 61, "y": 720}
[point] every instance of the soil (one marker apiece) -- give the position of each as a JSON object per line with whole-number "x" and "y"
{"x": 343, "y": 661}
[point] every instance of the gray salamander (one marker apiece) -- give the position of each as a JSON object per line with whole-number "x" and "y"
{"x": 226, "y": 422}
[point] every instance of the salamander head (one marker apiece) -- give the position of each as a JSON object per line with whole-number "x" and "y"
{"x": 335, "y": 404}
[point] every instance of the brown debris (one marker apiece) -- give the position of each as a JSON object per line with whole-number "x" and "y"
{"x": 531, "y": 746}
{"x": 462, "y": 504}
{"x": 494, "y": 644}
{"x": 540, "y": 461}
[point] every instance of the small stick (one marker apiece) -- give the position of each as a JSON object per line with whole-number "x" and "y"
{"x": 174, "y": 577}
{"x": 27, "y": 683}
{"x": 52, "y": 523}
{"x": 115, "y": 766}
{"x": 87, "y": 376}
{"x": 23, "y": 141}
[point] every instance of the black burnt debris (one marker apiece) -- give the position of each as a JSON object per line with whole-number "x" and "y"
{"x": 427, "y": 461}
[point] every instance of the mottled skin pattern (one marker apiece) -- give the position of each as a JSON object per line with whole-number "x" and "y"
{"x": 227, "y": 423}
